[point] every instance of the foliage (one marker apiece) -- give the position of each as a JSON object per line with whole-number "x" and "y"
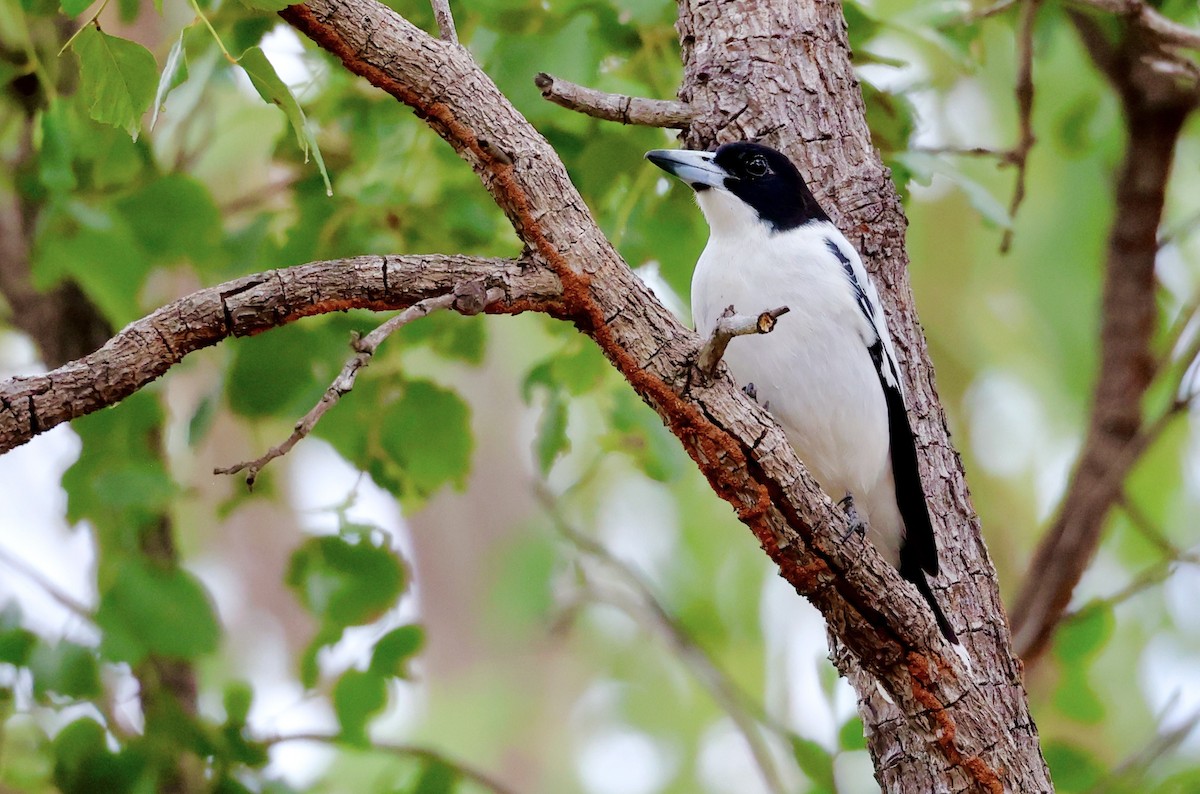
{"x": 153, "y": 158}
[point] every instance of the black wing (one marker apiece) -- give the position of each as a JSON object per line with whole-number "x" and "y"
{"x": 918, "y": 551}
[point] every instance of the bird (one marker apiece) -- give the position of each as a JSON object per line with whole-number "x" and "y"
{"x": 828, "y": 372}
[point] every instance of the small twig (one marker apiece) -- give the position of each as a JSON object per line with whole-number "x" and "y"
{"x": 463, "y": 770}
{"x": 732, "y": 324}
{"x": 1024, "y": 97}
{"x": 445, "y": 20}
{"x": 615, "y": 107}
{"x": 470, "y": 298}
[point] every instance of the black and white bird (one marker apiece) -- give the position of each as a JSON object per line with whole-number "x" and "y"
{"x": 828, "y": 372}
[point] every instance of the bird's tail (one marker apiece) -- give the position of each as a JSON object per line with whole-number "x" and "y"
{"x": 918, "y": 578}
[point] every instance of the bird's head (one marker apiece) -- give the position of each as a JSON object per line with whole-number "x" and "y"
{"x": 743, "y": 184}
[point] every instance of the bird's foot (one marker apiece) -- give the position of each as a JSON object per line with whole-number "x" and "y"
{"x": 856, "y": 523}
{"x": 751, "y": 391}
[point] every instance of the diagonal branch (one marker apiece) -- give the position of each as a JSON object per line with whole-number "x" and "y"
{"x": 146, "y": 349}
{"x": 615, "y": 107}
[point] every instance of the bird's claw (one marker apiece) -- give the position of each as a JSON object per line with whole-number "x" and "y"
{"x": 750, "y": 391}
{"x": 856, "y": 523}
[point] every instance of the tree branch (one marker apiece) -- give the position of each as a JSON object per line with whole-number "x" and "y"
{"x": 614, "y": 107}
{"x": 146, "y": 349}
{"x": 445, "y": 20}
{"x": 1156, "y": 104}
{"x": 730, "y": 325}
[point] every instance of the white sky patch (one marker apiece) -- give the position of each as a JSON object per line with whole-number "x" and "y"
{"x": 639, "y": 525}
{"x": 1006, "y": 422}
{"x": 651, "y": 276}
{"x": 284, "y": 50}
{"x": 725, "y": 765}
{"x": 34, "y": 534}
{"x": 621, "y": 760}
{"x": 796, "y": 653}
{"x": 1169, "y": 680}
{"x": 286, "y": 53}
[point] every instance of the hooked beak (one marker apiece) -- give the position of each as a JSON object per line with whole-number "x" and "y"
{"x": 694, "y": 167}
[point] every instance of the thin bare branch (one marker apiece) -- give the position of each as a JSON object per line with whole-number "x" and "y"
{"x": 645, "y": 608}
{"x": 429, "y": 755}
{"x": 445, "y": 20}
{"x": 730, "y": 325}
{"x": 615, "y": 107}
{"x": 471, "y": 298}
{"x": 1019, "y": 155}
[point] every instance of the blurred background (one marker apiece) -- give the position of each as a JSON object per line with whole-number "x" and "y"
{"x": 491, "y": 568}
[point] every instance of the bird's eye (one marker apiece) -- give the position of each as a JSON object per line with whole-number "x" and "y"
{"x": 757, "y": 166}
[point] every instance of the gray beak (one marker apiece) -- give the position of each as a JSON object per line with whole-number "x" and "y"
{"x": 694, "y": 167}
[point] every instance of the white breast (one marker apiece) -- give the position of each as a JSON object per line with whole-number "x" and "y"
{"x": 814, "y": 371}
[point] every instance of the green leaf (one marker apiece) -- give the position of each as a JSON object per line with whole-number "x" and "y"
{"x": 1072, "y": 768}
{"x": 267, "y": 5}
{"x": 356, "y": 697}
{"x": 150, "y": 610}
{"x": 449, "y": 335}
{"x": 117, "y": 439}
{"x": 83, "y": 763}
{"x": 272, "y": 373}
{"x": 65, "y": 669}
{"x": 117, "y": 78}
{"x": 272, "y": 89}
{"x": 346, "y": 583}
{"x": 94, "y": 248}
{"x": 394, "y": 649}
{"x": 1084, "y": 635}
{"x": 239, "y": 696}
{"x": 814, "y": 761}
{"x": 54, "y": 163}
{"x": 577, "y": 370}
{"x": 174, "y": 218}
{"x": 174, "y": 72}
{"x": 15, "y": 641}
{"x": 552, "y": 439}
{"x": 74, "y": 8}
{"x": 436, "y": 778}
{"x": 428, "y": 433}
{"x": 1076, "y": 698}
{"x": 641, "y": 434}
{"x": 851, "y": 735}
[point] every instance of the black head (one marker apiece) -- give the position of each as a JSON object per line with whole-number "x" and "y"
{"x": 758, "y": 176}
{"x": 767, "y": 180}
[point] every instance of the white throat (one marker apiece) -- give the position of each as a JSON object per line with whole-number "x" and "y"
{"x": 728, "y": 215}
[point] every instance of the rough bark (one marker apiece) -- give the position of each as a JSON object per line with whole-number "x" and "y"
{"x": 781, "y": 72}
{"x": 1156, "y": 102}
{"x": 948, "y": 730}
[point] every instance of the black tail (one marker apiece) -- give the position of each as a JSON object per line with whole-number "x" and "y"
{"x": 917, "y": 577}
